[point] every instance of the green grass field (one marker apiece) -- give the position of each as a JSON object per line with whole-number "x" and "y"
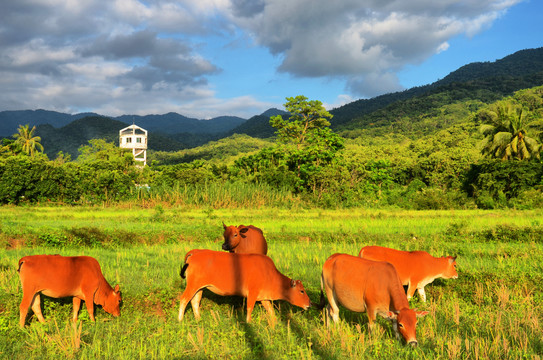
{"x": 492, "y": 311}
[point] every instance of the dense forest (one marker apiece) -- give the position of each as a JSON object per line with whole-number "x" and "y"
{"x": 471, "y": 140}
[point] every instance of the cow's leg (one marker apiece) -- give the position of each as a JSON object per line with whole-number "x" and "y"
{"x": 251, "y": 300}
{"x": 187, "y": 296}
{"x": 77, "y": 305}
{"x": 89, "y": 303}
{"x": 412, "y": 286}
{"x": 372, "y": 315}
{"x": 268, "y": 305}
{"x": 422, "y": 294}
{"x": 195, "y": 302}
{"x": 27, "y": 300}
{"x": 36, "y": 307}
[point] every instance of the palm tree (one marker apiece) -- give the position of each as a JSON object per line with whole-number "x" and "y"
{"x": 505, "y": 130}
{"x": 30, "y": 144}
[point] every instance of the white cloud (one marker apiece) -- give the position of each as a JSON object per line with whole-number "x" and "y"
{"x": 363, "y": 39}
{"x": 138, "y": 56}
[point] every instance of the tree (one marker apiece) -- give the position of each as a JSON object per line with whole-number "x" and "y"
{"x": 29, "y": 143}
{"x": 505, "y": 129}
{"x": 9, "y": 147}
{"x": 99, "y": 150}
{"x": 309, "y": 145}
{"x": 305, "y": 118}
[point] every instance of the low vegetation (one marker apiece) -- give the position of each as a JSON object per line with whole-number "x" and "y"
{"x": 493, "y": 310}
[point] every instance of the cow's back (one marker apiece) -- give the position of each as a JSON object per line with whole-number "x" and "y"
{"x": 238, "y": 272}
{"x": 56, "y": 275}
{"x": 355, "y": 281}
{"x": 407, "y": 263}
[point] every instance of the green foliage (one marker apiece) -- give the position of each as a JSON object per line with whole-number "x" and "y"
{"x": 494, "y": 182}
{"x": 31, "y": 179}
{"x": 305, "y": 118}
{"x": 196, "y": 173}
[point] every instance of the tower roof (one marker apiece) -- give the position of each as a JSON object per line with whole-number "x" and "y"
{"x": 132, "y": 129}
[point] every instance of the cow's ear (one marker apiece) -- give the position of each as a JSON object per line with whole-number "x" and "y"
{"x": 390, "y": 315}
{"x": 244, "y": 230}
{"x": 452, "y": 259}
{"x": 421, "y": 313}
{"x": 293, "y": 283}
{"x": 116, "y": 289}
{"x": 224, "y": 225}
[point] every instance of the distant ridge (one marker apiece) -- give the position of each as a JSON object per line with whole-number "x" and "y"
{"x": 170, "y": 123}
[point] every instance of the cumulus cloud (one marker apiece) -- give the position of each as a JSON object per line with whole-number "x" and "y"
{"x": 136, "y": 56}
{"x": 364, "y": 41}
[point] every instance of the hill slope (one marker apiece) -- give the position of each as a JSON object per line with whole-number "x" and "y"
{"x": 485, "y": 82}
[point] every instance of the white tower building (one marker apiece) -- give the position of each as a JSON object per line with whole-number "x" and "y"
{"x": 135, "y": 138}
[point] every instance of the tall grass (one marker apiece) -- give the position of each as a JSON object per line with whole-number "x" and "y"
{"x": 216, "y": 195}
{"x": 492, "y": 311}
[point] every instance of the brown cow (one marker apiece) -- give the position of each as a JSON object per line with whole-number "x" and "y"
{"x": 372, "y": 286}
{"x": 244, "y": 240}
{"x": 415, "y": 268}
{"x": 253, "y": 276}
{"x": 58, "y": 276}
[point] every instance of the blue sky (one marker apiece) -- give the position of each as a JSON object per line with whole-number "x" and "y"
{"x": 209, "y": 58}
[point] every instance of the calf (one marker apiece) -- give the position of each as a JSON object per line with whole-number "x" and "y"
{"x": 244, "y": 240}
{"x": 415, "y": 268}
{"x": 253, "y": 276}
{"x": 364, "y": 285}
{"x": 58, "y": 276}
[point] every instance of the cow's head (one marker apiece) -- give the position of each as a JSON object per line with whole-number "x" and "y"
{"x": 450, "y": 269}
{"x": 232, "y": 236}
{"x": 112, "y": 302}
{"x": 405, "y": 323}
{"x": 297, "y": 295}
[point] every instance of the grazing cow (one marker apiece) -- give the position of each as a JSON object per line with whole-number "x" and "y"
{"x": 372, "y": 286}
{"x": 244, "y": 240}
{"x": 415, "y": 268}
{"x": 253, "y": 276}
{"x": 58, "y": 276}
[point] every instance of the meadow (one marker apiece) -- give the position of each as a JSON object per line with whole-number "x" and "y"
{"x": 492, "y": 311}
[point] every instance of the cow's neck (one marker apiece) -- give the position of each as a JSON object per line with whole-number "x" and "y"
{"x": 284, "y": 285}
{"x": 104, "y": 289}
{"x": 398, "y": 298}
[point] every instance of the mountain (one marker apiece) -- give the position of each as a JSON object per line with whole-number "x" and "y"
{"x": 10, "y": 120}
{"x": 172, "y": 123}
{"x": 483, "y": 81}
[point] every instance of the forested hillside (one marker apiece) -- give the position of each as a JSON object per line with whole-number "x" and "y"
{"x": 480, "y": 82}
{"x": 472, "y": 144}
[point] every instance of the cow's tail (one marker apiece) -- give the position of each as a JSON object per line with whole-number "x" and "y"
{"x": 185, "y": 265}
{"x": 21, "y": 261}
{"x": 322, "y": 301}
